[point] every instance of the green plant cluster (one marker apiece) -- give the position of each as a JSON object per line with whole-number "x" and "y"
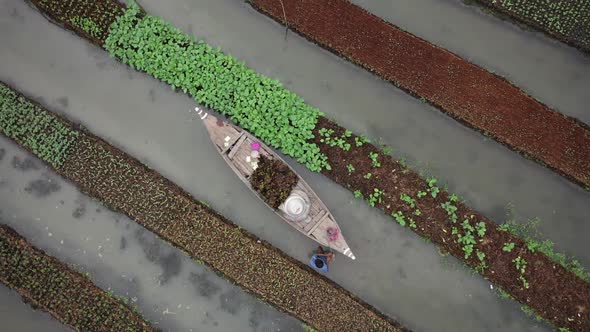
{"x": 432, "y": 188}
{"x": 350, "y": 168}
{"x": 87, "y": 25}
{"x": 340, "y": 142}
{"x": 360, "y": 140}
{"x": 408, "y": 200}
{"x": 90, "y": 16}
{"x": 528, "y": 232}
{"x": 69, "y": 295}
{"x": 568, "y": 18}
{"x": 467, "y": 238}
{"x": 374, "y": 159}
{"x": 375, "y": 197}
{"x": 255, "y": 102}
{"x": 520, "y": 264}
{"x": 399, "y": 217}
{"x": 34, "y": 128}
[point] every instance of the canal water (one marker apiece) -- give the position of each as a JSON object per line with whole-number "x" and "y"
{"x": 395, "y": 270}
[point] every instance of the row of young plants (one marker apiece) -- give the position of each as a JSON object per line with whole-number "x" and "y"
{"x": 568, "y": 21}
{"x": 125, "y": 185}
{"x": 90, "y": 19}
{"x": 34, "y": 128}
{"x": 509, "y": 255}
{"x": 423, "y": 206}
{"x": 67, "y": 295}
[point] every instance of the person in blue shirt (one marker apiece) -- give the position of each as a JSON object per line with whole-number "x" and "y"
{"x": 321, "y": 259}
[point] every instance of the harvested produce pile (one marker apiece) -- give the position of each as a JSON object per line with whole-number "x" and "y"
{"x": 468, "y": 93}
{"x": 67, "y": 295}
{"x": 554, "y": 288}
{"x": 273, "y": 180}
{"x": 127, "y": 186}
{"x": 566, "y": 20}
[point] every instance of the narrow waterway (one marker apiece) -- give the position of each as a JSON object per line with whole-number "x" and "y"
{"x": 396, "y": 271}
{"x": 172, "y": 291}
{"x": 15, "y": 315}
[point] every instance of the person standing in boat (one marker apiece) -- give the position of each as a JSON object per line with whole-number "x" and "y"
{"x": 321, "y": 259}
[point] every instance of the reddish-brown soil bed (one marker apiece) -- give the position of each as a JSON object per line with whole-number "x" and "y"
{"x": 52, "y": 286}
{"x": 468, "y": 93}
{"x": 554, "y": 292}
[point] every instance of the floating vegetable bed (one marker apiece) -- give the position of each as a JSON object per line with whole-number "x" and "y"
{"x": 466, "y": 92}
{"x": 565, "y": 20}
{"x": 49, "y": 285}
{"x": 127, "y": 186}
{"x": 549, "y": 285}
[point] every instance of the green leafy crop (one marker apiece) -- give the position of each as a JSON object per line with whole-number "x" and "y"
{"x": 34, "y": 128}
{"x": 255, "y": 102}
{"x": 86, "y": 24}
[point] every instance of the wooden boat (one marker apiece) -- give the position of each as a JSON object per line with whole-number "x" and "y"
{"x": 303, "y": 209}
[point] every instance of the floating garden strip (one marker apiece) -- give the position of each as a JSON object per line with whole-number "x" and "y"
{"x": 125, "y": 185}
{"x": 565, "y": 20}
{"x": 67, "y": 295}
{"x": 470, "y": 94}
{"x": 34, "y": 128}
{"x": 554, "y": 290}
{"x": 88, "y": 18}
{"x": 553, "y": 287}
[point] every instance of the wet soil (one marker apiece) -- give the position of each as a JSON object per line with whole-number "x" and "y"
{"x": 468, "y": 93}
{"x": 49, "y": 285}
{"x": 273, "y": 180}
{"x": 554, "y": 292}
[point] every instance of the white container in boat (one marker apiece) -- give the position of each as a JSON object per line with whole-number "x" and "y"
{"x": 296, "y": 206}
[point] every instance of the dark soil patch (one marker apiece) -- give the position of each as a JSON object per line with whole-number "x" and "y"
{"x": 51, "y": 286}
{"x": 89, "y": 19}
{"x": 466, "y": 92}
{"x": 273, "y": 180}
{"x": 554, "y": 292}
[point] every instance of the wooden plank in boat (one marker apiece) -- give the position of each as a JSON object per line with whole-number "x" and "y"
{"x": 319, "y": 223}
{"x": 314, "y": 220}
{"x": 238, "y": 144}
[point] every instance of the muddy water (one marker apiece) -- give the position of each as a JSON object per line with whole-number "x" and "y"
{"x": 171, "y": 290}
{"x": 18, "y": 316}
{"x": 395, "y": 271}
